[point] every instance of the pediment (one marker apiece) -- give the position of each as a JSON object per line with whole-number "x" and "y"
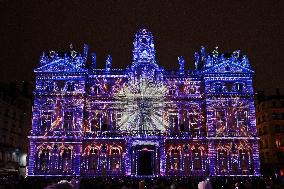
{"x": 60, "y": 65}
{"x": 228, "y": 67}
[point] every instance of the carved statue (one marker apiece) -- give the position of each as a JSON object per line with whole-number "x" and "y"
{"x": 202, "y": 52}
{"x": 108, "y": 63}
{"x": 196, "y": 59}
{"x": 181, "y": 64}
{"x": 93, "y": 55}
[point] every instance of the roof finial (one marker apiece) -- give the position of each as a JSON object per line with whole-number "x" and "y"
{"x": 93, "y": 60}
{"x": 196, "y": 59}
{"x": 181, "y": 64}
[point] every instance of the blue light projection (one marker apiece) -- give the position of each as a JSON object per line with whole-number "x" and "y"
{"x": 94, "y": 122}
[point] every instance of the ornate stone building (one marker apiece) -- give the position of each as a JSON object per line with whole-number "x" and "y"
{"x": 144, "y": 120}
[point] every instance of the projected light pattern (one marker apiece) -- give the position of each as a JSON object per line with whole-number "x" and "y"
{"x": 101, "y": 122}
{"x": 143, "y": 106}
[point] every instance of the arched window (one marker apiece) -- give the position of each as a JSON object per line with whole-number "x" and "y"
{"x": 244, "y": 157}
{"x": 68, "y": 121}
{"x": 222, "y": 160}
{"x": 70, "y": 86}
{"x": 175, "y": 159}
{"x": 93, "y": 159}
{"x": 66, "y": 159}
{"x": 115, "y": 163}
{"x": 49, "y": 86}
{"x": 196, "y": 155}
{"x": 103, "y": 158}
{"x": 234, "y": 163}
{"x": 54, "y": 158}
{"x": 44, "y": 160}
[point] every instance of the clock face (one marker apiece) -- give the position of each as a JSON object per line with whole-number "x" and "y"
{"x": 144, "y": 54}
{"x": 143, "y": 103}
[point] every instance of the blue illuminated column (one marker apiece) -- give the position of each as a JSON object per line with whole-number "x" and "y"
{"x": 162, "y": 158}
{"x": 32, "y": 154}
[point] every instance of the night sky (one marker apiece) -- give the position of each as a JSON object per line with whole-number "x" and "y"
{"x": 29, "y": 27}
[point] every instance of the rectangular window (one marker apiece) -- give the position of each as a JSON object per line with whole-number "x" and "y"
{"x": 277, "y": 128}
{"x": 193, "y": 121}
{"x": 220, "y": 121}
{"x": 46, "y": 121}
{"x": 242, "y": 120}
{"x": 68, "y": 121}
{"x": 173, "y": 119}
{"x": 95, "y": 122}
{"x": 276, "y": 116}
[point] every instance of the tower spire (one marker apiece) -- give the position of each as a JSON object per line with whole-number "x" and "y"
{"x": 144, "y": 50}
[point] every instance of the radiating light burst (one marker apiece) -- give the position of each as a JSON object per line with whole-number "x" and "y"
{"x": 142, "y": 102}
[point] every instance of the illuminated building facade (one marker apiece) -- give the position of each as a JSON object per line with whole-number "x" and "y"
{"x": 144, "y": 120}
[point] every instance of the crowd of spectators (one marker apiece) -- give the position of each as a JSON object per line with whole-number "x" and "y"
{"x": 14, "y": 182}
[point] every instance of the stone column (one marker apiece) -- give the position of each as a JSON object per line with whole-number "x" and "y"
{"x": 77, "y": 159}
{"x": 212, "y": 158}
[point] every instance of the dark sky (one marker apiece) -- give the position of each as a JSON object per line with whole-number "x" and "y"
{"x": 29, "y": 27}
